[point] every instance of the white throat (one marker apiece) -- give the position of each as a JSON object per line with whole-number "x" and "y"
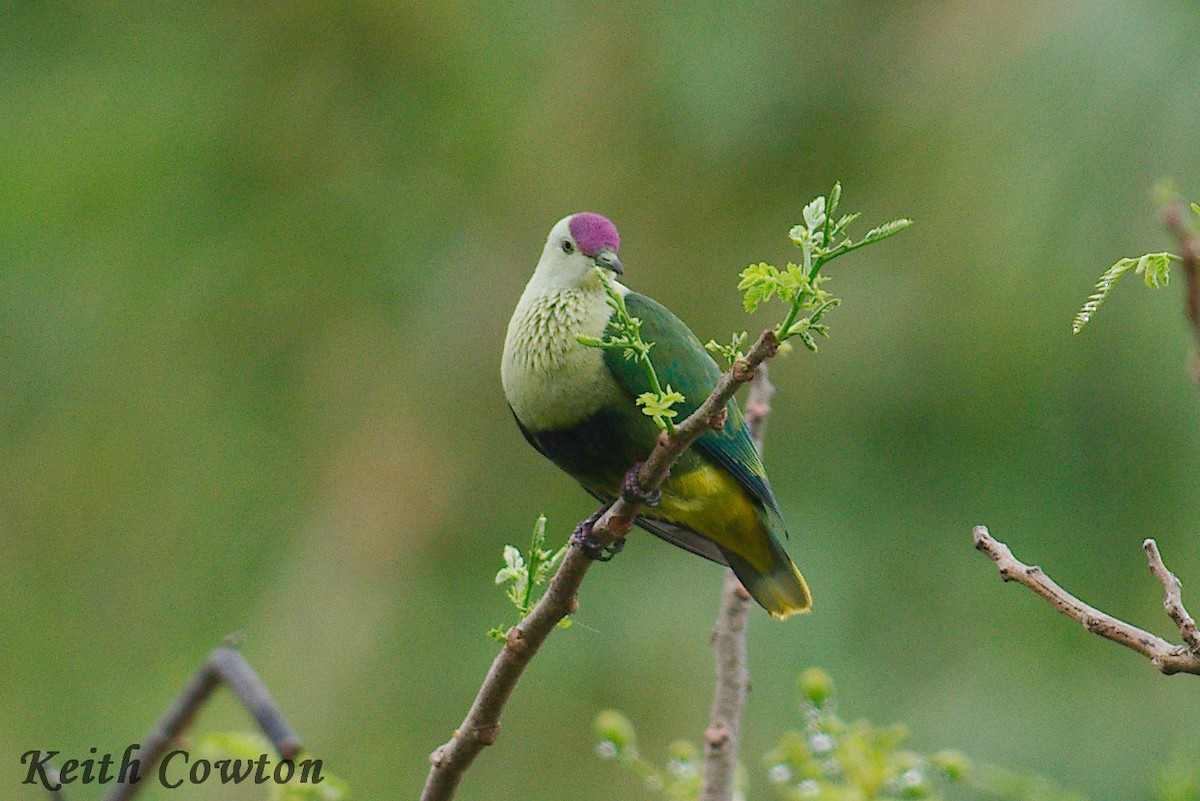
{"x": 550, "y": 380}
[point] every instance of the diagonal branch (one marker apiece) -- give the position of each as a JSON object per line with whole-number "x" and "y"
{"x": 481, "y": 726}
{"x": 224, "y": 665}
{"x": 1166, "y": 656}
{"x": 722, "y": 738}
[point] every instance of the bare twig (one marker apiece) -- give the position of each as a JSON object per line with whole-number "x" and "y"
{"x": 482, "y": 724}
{"x": 722, "y": 738}
{"x": 1166, "y": 656}
{"x": 1173, "y": 602}
{"x": 224, "y": 665}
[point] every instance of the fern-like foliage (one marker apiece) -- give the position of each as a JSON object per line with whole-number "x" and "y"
{"x": 524, "y": 573}
{"x": 658, "y": 403}
{"x": 1155, "y": 269}
{"x": 731, "y": 353}
{"x": 822, "y": 237}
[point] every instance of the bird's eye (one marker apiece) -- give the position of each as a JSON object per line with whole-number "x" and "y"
{"x": 567, "y": 246}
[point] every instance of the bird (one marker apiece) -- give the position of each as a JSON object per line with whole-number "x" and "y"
{"x": 575, "y": 405}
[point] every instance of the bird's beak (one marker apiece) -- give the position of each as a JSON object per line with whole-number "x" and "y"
{"x": 609, "y": 261}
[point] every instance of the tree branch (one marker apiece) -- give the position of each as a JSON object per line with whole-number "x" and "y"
{"x": 722, "y": 738}
{"x": 1173, "y": 601}
{"x": 1174, "y": 216}
{"x": 481, "y": 726}
{"x": 224, "y": 665}
{"x": 1166, "y": 656}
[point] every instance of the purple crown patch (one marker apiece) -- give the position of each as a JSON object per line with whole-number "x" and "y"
{"x": 593, "y": 233}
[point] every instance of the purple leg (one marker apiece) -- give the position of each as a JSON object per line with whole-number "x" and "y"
{"x": 632, "y": 490}
{"x": 582, "y": 538}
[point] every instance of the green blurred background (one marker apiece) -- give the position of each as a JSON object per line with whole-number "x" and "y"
{"x": 256, "y": 264}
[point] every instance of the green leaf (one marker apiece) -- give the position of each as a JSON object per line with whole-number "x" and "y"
{"x": 800, "y": 285}
{"x": 732, "y": 352}
{"x": 628, "y": 339}
{"x": 658, "y": 405}
{"x": 885, "y": 230}
{"x": 1103, "y": 287}
{"x": 1155, "y": 269}
{"x": 759, "y": 282}
{"x": 525, "y": 572}
{"x": 842, "y": 224}
{"x": 814, "y": 214}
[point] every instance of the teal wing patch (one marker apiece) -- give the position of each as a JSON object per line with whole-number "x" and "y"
{"x": 681, "y": 361}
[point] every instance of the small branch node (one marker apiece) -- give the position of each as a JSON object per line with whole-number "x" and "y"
{"x": 716, "y": 736}
{"x": 770, "y": 341}
{"x": 742, "y": 372}
{"x": 487, "y": 734}
{"x": 717, "y": 421}
{"x": 516, "y": 641}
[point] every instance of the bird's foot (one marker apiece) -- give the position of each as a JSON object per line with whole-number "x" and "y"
{"x": 631, "y": 489}
{"x": 583, "y": 539}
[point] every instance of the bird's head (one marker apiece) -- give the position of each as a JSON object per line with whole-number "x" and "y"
{"x": 577, "y": 245}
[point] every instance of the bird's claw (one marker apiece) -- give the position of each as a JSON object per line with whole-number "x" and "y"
{"x": 631, "y": 489}
{"x": 583, "y": 539}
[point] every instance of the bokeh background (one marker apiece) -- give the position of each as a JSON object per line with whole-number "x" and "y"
{"x": 256, "y": 264}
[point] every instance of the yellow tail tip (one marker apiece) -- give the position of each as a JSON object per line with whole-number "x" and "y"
{"x": 791, "y": 612}
{"x": 787, "y": 603}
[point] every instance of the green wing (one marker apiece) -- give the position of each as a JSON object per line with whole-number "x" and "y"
{"x": 681, "y": 361}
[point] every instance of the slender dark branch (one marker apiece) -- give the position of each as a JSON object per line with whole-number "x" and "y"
{"x": 481, "y": 725}
{"x": 1175, "y": 219}
{"x": 722, "y": 737}
{"x": 55, "y": 780}
{"x": 1166, "y": 656}
{"x": 758, "y": 407}
{"x": 224, "y": 665}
